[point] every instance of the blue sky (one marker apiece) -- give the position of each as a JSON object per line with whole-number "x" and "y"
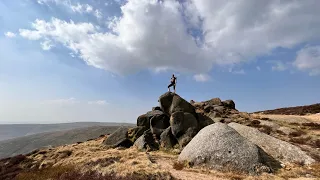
{"x": 83, "y": 60}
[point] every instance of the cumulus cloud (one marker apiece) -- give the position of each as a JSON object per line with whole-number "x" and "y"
{"x": 188, "y": 37}
{"x": 202, "y": 77}
{"x": 46, "y": 45}
{"x": 10, "y": 34}
{"x": 98, "y": 102}
{"x": 308, "y": 59}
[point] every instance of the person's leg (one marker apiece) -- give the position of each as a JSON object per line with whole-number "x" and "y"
{"x": 169, "y": 87}
{"x": 174, "y": 88}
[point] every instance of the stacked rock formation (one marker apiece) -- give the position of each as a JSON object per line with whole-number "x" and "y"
{"x": 172, "y": 124}
{"x": 208, "y": 134}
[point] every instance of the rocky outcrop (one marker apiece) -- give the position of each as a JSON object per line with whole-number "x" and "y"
{"x": 183, "y": 126}
{"x": 144, "y": 119}
{"x": 119, "y": 138}
{"x": 146, "y": 142}
{"x": 171, "y": 102}
{"x": 220, "y": 147}
{"x": 158, "y": 124}
{"x": 167, "y": 140}
{"x": 278, "y": 149}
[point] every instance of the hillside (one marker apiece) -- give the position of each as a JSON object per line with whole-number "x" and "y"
{"x": 9, "y": 131}
{"x": 26, "y": 144}
{"x": 298, "y": 110}
{"x": 182, "y": 140}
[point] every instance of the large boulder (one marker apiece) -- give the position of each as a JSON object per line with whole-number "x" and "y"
{"x": 156, "y": 108}
{"x": 204, "y": 120}
{"x": 278, "y": 149}
{"x": 167, "y": 140}
{"x": 136, "y": 132}
{"x": 119, "y": 138}
{"x": 171, "y": 102}
{"x": 229, "y": 104}
{"x": 159, "y": 123}
{"x": 181, "y": 123}
{"x": 144, "y": 119}
{"x": 215, "y": 101}
{"x": 221, "y": 147}
{"x": 146, "y": 142}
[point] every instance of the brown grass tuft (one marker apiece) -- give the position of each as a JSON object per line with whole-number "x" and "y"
{"x": 178, "y": 165}
{"x": 300, "y": 140}
{"x": 297, "y": 133}
{"x": 312, "y": 125}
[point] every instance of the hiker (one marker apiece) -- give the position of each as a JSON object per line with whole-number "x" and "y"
{"x": 173, "y": 83}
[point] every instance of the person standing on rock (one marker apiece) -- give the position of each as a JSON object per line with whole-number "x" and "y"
{"x": 173, "y": 83}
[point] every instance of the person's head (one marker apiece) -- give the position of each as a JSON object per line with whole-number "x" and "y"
{"x": 172, "y": 75}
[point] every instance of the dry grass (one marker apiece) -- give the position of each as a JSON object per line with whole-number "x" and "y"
{"x": 297, "y": 171}
{"x": 297, "y": 133}
{"x": 178, "y": 165}
{"x": 301, "y": 140}
{"x": 92, "y": 160}
{"x": 72, "y": 173}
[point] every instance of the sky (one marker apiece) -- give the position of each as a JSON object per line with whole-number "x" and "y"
{"x": 110, "y": 60}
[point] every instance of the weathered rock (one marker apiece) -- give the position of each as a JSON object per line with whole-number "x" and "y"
{"x": 229, "y": 104}
{"x": 159, "y": 123}
{"x": 144, "y": 119}
{"x": 119, "y": 138}
{"x": 207, "y": 108}
{"x": 218, "y": 120}
{"x": 215, "y": 101}
{"x": 136, "y": 132}
{"x": 204, "y": 121}
{"x": 214, "y": 115}
{"x": 146, "y": 142}
{"x": 278, "y": 149}
{"x": 183, "y": 126}
{"x": 180, "y": 122}
{"x": 219, "y": 109}
{"x": 221, "y": 147}
{"x": 167, "y": 140}
{"x": 157, "y": 108}
{"x": 187, "y": 136}
{"x": 171, "y": 102}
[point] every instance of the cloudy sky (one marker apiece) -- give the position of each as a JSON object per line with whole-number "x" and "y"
{"x": 109, "y": 60}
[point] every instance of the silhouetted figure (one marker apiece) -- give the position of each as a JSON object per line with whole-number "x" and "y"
{"x": 173, "y": 83}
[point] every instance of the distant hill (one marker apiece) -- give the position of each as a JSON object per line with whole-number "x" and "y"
{"x": 298, "y": 110}
{"x": 26, "y": 144}
{"x": 9, "y": 131}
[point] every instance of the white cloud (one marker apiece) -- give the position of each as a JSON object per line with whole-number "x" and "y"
{"x": 98, "y": 14}
{"x": 201, "y": 77}
{"x": 98, "y": 102}
{"x": 278, "y": 65}
{"x": 46, "y": 45}
{"x": 308, "y": 59}
{"x": 82, "y": 8}
{"x": 61, "y": 101}
{"x": 258, "y": 68}
{"x": 10, "y": 34}
{"x": 153, "y": 34}
{"x": 240, "y": 71}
